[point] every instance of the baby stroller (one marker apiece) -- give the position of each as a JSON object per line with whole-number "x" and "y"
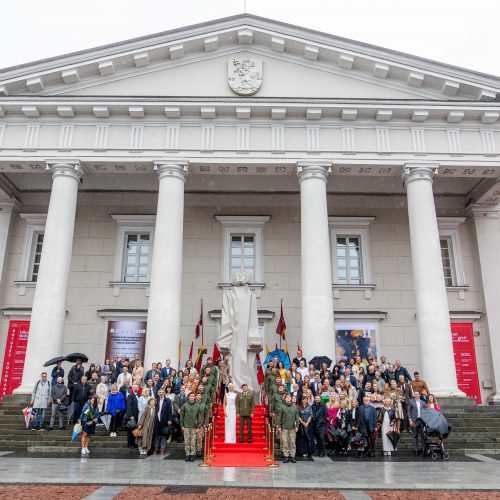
{"x": 436, "y": 430}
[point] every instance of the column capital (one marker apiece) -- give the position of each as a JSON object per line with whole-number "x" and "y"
{"x": 172, "y": 168}
{"x": 12, "y": 206}
{"x": 313, "y": 170}
{"x": 414, "y": 171}
{"x": 66, "y": 168}
{"x": 483, "y": 211}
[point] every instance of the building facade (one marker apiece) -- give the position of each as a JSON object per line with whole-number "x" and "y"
{"x": 358, "y": 185}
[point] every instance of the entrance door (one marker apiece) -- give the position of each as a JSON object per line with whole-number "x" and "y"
{"x": 465, "y": 359}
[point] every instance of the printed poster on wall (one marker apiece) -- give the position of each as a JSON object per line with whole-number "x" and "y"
{"x": 465, "y": 359}
{"x": 14, "y": 356}
{"x": 356, "y": 340}
{"x": 126, "y": 337}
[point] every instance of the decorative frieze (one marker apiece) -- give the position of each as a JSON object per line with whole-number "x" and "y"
{"x": 101, "y": 136}
{"x": 66, "y": 137}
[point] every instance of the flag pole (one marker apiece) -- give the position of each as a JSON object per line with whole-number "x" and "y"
{"x": 202, "y": 337}
{"x": 281, "y": 312}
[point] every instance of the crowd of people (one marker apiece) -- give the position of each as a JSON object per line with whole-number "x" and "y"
{"x": 313, "y": 409}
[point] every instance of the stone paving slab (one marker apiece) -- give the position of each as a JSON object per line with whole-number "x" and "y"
{"x": 306, "y": 475}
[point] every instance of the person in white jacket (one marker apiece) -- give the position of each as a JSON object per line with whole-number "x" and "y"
{"x": 102, "y": 392}
{"x": 40, "y": 399}
{"x": 124, "y": 376}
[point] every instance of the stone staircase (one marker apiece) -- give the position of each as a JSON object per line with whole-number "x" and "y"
{"x": 476, "y": 429}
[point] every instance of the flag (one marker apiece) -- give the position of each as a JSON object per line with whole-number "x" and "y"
{"x": 286, "y": 347}
{"x": 191, "y": 351}
{"x": 267, "y": 350}
{"x": 199, "y": 325}
{"x": 199, "y": 358}
{"x": 216, "y": 354}
{"x": 179, "y": 351}
{"x": 260, "y": 370}
{"x": 276, "y": 346}
{"x": 299, "y": 348}
{"x": 281, "y": 328}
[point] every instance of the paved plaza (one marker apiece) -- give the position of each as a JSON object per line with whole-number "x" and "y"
{"x": 479, "y": 472}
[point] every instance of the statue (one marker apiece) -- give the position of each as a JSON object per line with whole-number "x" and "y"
{"x": 239, "y": 335}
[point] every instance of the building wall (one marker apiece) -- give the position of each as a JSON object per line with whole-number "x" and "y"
{"x": 94, "y": 258}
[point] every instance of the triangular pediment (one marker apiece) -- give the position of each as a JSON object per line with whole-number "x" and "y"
{"x": 297, "y": 62}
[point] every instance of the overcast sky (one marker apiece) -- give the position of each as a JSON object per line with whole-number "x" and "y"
{"x": 456, "y": 32}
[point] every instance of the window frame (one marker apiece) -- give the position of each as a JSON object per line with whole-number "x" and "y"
{"x": 449, "y": 229}
{"x": 35, "y": 225}
{"x": 351, "y": 227}
{"x": 131, "y": 224}
{"x": 242, "y": 225}
{"x": 138, "y": 233}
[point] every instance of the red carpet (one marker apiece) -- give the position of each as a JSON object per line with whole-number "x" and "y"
{"x": 241, "y": 454}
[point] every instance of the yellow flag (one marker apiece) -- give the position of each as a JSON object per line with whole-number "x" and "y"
{"x": 286, "y": 347}
{"x": 267, "y": 350}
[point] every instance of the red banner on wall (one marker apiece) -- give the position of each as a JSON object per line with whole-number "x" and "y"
{"x": 465, "y": 359}
{"x": 13, "y": 359}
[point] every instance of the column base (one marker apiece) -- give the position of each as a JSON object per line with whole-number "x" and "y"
{"x": 494, "y": 400}
{"x": 23, "y": 389}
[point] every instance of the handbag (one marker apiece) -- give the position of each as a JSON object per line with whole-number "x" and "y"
{"x": 131, "y": 425}
{"x": 137, "y": 432}
{"x": 358, "y": 439}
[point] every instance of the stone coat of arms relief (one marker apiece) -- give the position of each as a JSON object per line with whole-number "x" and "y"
{"x": 244, "y": 75}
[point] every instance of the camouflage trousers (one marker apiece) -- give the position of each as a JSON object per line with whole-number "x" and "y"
{"x": 288, "y": 437}
{"x": 199, "y": 439}
{"x": 190, "y": 441}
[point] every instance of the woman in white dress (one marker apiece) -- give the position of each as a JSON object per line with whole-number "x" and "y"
{"x": 387, "y": 420}
{"x": 230, "y": 415}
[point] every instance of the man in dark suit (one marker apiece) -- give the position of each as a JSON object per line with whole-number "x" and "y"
{"x": 157, "y": 385}
{"x": 151, "y": 373}
{"x": 167, "y": 370}
{"x": 299, "y": 356}
{"x": 417, "y": 424}
{"x": 350, "y": 377}
{"x": 401, "y": 370}
{"x": 163, "y": 419}
{"x": 320, "y": 415}
{"x": 81, "y": 395}
{"x": 368, "y": 423}
{"x": 132, "y": 415}
{"x": 408, "y": 395}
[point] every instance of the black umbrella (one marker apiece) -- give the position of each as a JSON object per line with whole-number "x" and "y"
{"x": 317, "y": 361}
{"x": 74, "y": 356}
{"x": 55, "y": 360}
{"x": 393, "y": 438}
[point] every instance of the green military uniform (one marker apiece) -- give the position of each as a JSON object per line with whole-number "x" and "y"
{"x": 245, "y": 406}
{"x": 269, "y": 381}
{"x": 288, "y": 422}
{"x": 190, "y": 421}
{"x": 179, "y": 402}
{"x": 203, "y": 411}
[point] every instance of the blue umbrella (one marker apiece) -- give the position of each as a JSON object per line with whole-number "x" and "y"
{"x": 281, "y": 355}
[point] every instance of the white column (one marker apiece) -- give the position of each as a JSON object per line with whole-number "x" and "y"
{"x": 49, "y": 303}
{"x": 7, "y": 208}
{"x": 318, "y": 332}
{"x": 487, "y": 234}
{"x": 164, "y": 311}
{"x": 433, "y": 317}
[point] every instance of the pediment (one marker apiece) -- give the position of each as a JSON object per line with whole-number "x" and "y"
{"x": 297, "y": 62}
{"x": 282, "y": 78}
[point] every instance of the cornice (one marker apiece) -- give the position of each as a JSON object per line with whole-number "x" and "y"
{"x": 310, "y": 109}
{"x": 243, "y": 31}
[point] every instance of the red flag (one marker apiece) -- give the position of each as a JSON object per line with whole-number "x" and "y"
{"x": 216, "y": 354}
{"x": 299, "y": 348}
{"x": 199, "y": 358}
{"x": 199, "y": 325}
{"x": 281, "y": 328}
{"x": 191, "y": 351}
{"x": 260, "y": 370}
{"x": 276, "y": 348}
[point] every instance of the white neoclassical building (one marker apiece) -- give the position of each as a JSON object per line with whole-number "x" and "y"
{"x": 357, "y": 184}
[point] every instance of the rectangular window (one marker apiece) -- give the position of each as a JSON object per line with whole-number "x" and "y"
{"x": 136, "y": 258}
{"x": 243, "y": 255}
{"x": 349, "y": 263}
{"x": 448, "y": 260}
{"x": 36, "y": 255}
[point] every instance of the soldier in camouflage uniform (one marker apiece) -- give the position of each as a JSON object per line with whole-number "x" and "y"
{"x": 288, "y": 424}
{"x": 203, "y": 408}
{"x": 190, "y": 421}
